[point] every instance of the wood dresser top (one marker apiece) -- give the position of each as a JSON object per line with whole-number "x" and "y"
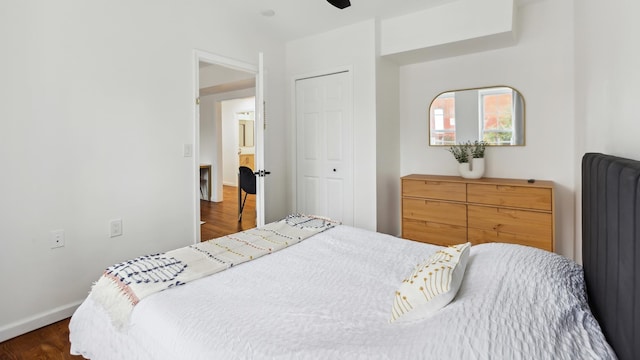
{"x": 485, "y": 181}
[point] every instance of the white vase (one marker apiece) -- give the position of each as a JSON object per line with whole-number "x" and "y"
{"x": 475, "y": 171}
{"x": 464, "y": 168}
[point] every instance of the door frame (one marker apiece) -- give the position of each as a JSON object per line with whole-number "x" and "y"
{"x": 211, "y": 58}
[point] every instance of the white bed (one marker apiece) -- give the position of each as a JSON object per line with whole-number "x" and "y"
{"x": 330, "y": 297}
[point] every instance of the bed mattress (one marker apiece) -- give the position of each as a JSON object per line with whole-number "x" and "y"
{"x": 330, "y": 296}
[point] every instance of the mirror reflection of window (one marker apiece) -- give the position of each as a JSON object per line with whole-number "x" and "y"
{"x": 496, "y": 120}
{"x": 443, "y": 125}
{"x": 439, "y": 115}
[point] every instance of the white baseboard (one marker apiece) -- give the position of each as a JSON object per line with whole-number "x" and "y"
{"x": 37, "y": 321}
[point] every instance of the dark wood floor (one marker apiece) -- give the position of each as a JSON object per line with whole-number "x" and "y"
{"x": 49, "y": 342}
{"x": 52, "y": 342}
{"x": 221, "y": 218}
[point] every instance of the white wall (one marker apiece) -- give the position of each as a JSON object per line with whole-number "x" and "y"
{"x": 449, "y": 24}
{"x": 208, "y": 130}
{"x": 348, "y": 47}
{"x": 388, "y": 147}
{"x": 607, "y": 78}
{"x": 96, "y": 102}
{"x": 540, "y": 66}
{"x": 607, "y": 90}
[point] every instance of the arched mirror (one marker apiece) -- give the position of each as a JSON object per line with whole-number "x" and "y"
{"x": 495, "y": 115}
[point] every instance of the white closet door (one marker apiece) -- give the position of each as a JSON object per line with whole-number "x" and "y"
{"x": 324, "y": 127}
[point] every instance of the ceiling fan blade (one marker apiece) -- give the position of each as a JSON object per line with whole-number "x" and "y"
{"x": 340, "y": 4}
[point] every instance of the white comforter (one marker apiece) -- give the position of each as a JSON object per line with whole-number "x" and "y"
{"x": 330, "y": 297}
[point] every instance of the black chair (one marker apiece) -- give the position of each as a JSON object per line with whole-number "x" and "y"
{"x": 247, "y": 183}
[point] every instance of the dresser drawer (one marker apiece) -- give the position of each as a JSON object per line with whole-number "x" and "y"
{"x": 492, "y": 224}
{"x": 433, "y": 233}
{"x": 435, "y": 211}
{"x": 509, "y": 195}
{"x": 441, "y": 190}
{"x": 477, "y": 236}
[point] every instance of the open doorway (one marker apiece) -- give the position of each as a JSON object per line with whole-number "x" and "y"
{"x": 226, "y": 99}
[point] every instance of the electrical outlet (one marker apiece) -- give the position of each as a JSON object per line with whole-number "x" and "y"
{"x": 115, "y": 227}
{"x": 56, "y": 238}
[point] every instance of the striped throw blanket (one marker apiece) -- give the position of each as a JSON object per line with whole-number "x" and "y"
{"x": 123, "y": 285}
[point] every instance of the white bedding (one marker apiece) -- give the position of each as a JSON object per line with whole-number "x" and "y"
{"x": 330, "y": 297}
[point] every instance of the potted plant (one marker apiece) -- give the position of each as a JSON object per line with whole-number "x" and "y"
{"x": 460, "y": 152}
{"x": 477, "y": 149}
{"x": 473, "y": 151}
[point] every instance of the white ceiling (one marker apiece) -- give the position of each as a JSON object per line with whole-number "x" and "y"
{"x": 228, "y": 86}
{"x": 295, "y": 19}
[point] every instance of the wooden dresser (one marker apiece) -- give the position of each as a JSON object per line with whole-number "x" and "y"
{"x": 448, "y": 210}
{"x": 247, "y": 160}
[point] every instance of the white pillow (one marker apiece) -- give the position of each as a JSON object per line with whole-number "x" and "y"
{"x": 432, "y": 285}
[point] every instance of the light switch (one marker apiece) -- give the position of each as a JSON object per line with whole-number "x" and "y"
{"x": 188, "y": 150}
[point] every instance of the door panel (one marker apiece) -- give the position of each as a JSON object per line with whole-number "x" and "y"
{"x": 325, "y": 147}
{"x": 311, "y": 129}
{"x": 335, "y": 208}
{"x": 312, "y": 187}
{"x": 334, "y": 142}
